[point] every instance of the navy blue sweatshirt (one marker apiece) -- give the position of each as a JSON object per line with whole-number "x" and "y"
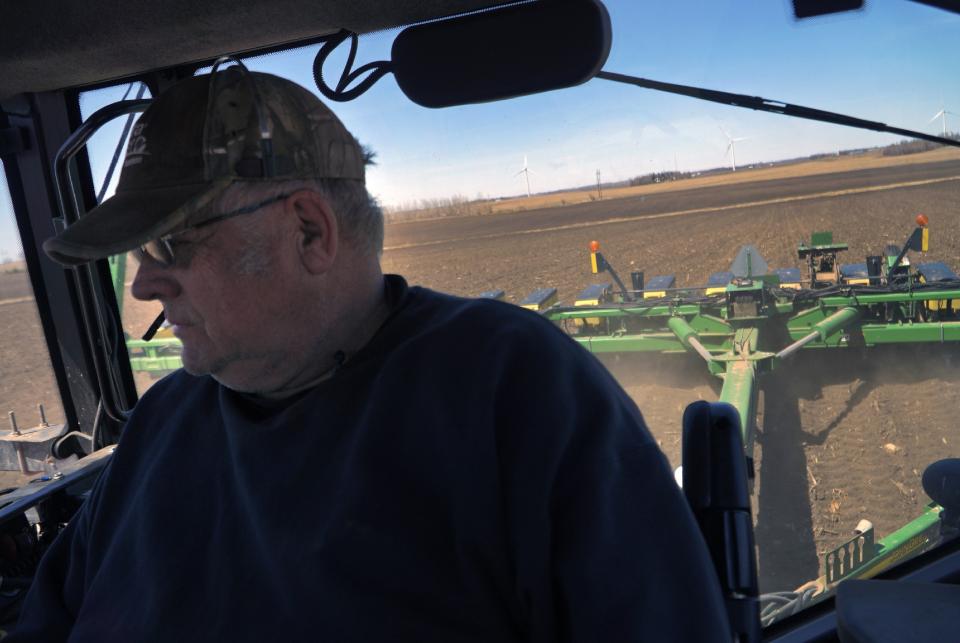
{"x": 470, "y": 475}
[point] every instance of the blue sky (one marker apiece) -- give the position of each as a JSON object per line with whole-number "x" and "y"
{"x": 894, "y": 62}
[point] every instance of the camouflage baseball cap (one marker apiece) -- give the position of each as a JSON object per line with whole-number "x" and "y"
{"x": 196, "y": 139}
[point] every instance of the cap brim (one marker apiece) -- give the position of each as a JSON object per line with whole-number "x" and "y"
{"x": 128, "y": 220}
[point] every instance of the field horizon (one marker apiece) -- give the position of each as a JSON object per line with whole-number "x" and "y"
{"x": 872, "y": 159}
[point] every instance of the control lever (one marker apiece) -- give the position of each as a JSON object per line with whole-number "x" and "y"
{"x": 715, "y": 484}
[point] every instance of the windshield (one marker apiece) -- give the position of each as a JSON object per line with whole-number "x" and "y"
{"x": 507, "y": 196}
{"x": 28, "y": 391}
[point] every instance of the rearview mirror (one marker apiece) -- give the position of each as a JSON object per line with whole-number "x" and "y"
{"x": 502, "y": 53}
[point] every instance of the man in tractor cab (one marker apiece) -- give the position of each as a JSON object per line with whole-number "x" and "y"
{"x": 344, "y": 457}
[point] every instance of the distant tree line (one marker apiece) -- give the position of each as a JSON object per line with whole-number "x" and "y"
{"x": 455, "y": 206}
{"x": 913, "y": 146}
{"x": 659, "y": 177}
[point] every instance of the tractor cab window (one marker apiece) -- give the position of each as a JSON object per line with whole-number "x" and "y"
{"x": 29, "y": 396}
{"x": 705, "y": 252}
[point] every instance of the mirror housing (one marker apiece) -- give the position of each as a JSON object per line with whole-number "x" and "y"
{"x": 502, "y": 53}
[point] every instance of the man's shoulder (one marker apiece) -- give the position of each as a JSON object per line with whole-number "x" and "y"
{"x": 161, "y": 419}
{"x": 176, "y": 385}
{"x": 441, "y": 310}
{"x": 172, "y": 398}
{"x": 488, "y": 332}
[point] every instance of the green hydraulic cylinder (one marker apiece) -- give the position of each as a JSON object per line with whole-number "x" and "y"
{"x": 688, "y": 336}
{"x": 740, "y": 390}
{"x": 823, "y": 329}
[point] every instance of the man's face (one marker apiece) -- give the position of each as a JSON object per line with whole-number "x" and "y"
{"x": 227, "y": 296}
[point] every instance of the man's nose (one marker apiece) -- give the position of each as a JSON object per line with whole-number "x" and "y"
{"x": 154, "y": 281}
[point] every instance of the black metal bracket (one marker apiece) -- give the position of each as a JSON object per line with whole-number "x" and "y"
{"x": 13, "y": 140}
{"x": 913, "y": 243}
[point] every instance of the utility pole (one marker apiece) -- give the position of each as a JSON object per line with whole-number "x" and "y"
{"x": 599, "y": 190}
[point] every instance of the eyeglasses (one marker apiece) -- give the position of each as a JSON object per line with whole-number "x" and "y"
{"x": 161, "y": 250}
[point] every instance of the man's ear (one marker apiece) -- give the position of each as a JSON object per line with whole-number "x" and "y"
{"x": 317, "y": 233}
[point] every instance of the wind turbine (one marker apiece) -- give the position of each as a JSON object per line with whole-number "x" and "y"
{"x": 731, "y": 147}
{"x": 942, "y": 115}
{"x": 526, "y": 173}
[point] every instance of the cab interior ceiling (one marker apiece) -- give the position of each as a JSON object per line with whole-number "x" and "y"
{"x": 46, "y": 46}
